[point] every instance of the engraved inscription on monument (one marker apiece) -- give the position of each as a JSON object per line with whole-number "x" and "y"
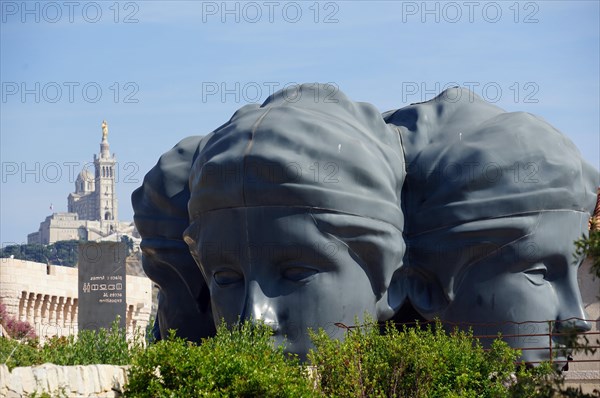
{"x": 102, "y": 287}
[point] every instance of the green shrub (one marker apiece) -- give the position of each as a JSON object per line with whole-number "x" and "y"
{"x": 14, "y": 353}
{"x": 241, "y": 362}
{"x": 411, "y": 362}
{"x": 590, "y": 247}
{"x": 106, "y": 346}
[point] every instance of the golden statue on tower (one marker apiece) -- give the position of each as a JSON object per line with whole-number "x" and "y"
{"x": 104, "y": 130}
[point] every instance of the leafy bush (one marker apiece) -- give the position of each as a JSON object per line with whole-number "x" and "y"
{"x": 590, "y": 246}
{"x": 106, "y": 346}
{"x": 20, "y": 329}
{"x": 15, "y": 328}
{"x": 14, "y": 353}
{"x": 543, "y": 382}
{"x": 411, "y": 362}
{"x": 241, "y": 362}
{"x": 400, "y": 363}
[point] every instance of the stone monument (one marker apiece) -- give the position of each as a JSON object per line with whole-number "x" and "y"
{"x": 102, "y": 285}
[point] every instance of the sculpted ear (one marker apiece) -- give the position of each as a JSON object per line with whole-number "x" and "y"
{"x": 425, "y": 293}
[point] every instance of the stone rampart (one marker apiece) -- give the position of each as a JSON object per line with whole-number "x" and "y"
{"x": 102, "y": 381}
{"x": 46, "y": 297}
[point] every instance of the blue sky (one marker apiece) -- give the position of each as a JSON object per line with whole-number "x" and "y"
{"x": 159, "y": 71}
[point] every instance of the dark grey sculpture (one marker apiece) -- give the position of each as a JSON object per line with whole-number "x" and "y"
{"x": 300, "y": 212}
{"x": 294, "y": 214}
{"x": 493, "y": 203}
{"x": 161, "y": 216}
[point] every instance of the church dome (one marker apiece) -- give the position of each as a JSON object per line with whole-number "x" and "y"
{"x": 84, "y": 182}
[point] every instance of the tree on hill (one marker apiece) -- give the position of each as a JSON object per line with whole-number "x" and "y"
{"x": 58, "y": 253}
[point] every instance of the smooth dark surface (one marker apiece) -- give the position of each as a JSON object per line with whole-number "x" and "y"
{"x": 160, "y": 207}
{"x": 312, "y": 209}
{"x": 294, "y": 214}
{"x": 102, "y": 285}
{"x": 310, "y": 149}
{"x": 493, "y": 203}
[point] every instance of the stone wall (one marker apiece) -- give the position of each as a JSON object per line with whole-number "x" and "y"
{"x": 46, "y": 297}
{"x": 65, "y": 381}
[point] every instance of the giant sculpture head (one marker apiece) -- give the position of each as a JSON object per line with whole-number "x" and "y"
{"x": 300, "y": 212}
{"x": 161, "y": 216}
{"x": 295, "y": 216}
{"x": 493, "y": 203}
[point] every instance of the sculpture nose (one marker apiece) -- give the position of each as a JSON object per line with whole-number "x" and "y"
{"x": 257, "y": 306}
{"x": 574, "y": 325}
{"x": 573, "y": 320}
{"x": 572, "y": 316}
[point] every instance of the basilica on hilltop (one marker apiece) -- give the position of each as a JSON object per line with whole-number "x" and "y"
{"x": 93, "y": 207}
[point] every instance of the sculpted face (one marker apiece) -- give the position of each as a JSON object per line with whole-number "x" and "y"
{"x": 532, "y": 279}
{"x": 274, "y": 264}
{"x": 493, "y": 247}
{"x": 295, "y": 214}
{"x": 280, "y": 238}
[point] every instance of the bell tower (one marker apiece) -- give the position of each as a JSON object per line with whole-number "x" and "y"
{"x": 105, "y": 173}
